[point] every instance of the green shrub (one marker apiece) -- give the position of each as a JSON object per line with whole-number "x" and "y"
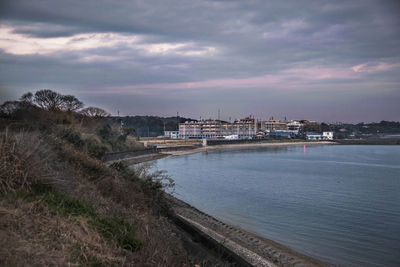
{"x": 95, "y": 149}
{"x": 72, "y": 137}
{"x": 113, "y": 138}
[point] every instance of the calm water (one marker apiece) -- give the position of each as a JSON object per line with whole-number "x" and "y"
{"x": 340, "y": 204}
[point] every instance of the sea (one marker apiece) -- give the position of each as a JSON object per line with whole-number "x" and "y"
{"x": 337, "y": 203}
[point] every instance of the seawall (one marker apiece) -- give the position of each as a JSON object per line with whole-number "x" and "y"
{"x": 244, "y": 248}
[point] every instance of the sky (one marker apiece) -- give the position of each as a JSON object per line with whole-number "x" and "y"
{"x": 302, "y": 59}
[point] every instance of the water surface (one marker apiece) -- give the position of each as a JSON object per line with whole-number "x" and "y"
{"x": 340, "y": 204}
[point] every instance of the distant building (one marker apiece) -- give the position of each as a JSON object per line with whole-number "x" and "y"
{"x": 294, "y": 127}
{"x": 285, "y": 134}
{"x": 214, "y": 129}
{"x": 232, "y": 137}
{"x": 273, "y": 125}
{"x": 171, "y": 134}
{"x": 327, "y": 135}
{"x": 313, "y": 136}
{"x": 190, "y": 129}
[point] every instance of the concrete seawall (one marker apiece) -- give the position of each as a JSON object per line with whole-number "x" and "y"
{"x": 138, "y": 156}
{"x": 245, "y": 248}
{"x": 128, "y": 154}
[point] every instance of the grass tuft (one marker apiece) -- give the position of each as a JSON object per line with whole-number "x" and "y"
{"x": 69, "y": 206}
{"x": 120, "y": 230}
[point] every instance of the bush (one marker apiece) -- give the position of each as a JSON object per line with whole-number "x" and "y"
{"x": 95, "y": 149}
{"x": 112, "y": 138}
{"x": 72, "y": 137}
{"x": 153, "y": 185}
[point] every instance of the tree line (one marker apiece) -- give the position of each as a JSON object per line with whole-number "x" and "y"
{"x": 51, "y": 101}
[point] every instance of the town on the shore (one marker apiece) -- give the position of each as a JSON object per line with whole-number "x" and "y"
{"x": 248, "y": 128}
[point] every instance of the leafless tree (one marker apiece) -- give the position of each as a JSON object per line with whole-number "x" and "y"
{"x": 48, "y": 99}
{"x": 27, "y": 98}
{"x": 70, "y": 103}
{"x": 94, "y": 112}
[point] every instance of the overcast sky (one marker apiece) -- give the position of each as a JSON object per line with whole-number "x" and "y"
{"x": 319, "y": 60}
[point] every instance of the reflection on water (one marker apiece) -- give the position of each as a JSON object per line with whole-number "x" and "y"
{"x": 337, "y": 203}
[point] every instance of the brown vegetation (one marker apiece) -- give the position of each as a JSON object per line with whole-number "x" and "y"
{"x": 59, "y": 205}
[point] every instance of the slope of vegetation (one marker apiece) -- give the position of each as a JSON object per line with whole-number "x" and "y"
{"x": 59, "y": 205}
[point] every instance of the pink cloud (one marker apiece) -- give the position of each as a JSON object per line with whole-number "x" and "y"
{"x": 373, "y": 67}
{"x": 287, "y": 79}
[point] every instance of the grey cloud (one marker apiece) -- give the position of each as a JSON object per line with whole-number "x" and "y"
{"x": 253, "y": 38}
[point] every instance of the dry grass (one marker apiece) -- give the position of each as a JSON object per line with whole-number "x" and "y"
{"x": 31, "y": 233}
{"x": 23, "y": 161}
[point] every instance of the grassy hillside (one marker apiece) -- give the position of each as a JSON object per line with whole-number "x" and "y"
{"x": 59, "y": 205}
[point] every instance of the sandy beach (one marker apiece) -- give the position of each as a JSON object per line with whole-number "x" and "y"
{"x": 244, "y": 146}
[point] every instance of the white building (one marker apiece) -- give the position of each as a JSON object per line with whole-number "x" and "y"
{"x": 171, "y": 134}
{"x": 214, "y": 129}
{"x": 313, "y": 136}
{"x": 327, "y": 135}
{"x": 294, "y": 127}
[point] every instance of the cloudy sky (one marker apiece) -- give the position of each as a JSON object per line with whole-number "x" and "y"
{"x": 321, "y": 60}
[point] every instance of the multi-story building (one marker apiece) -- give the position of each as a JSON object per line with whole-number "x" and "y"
{"x": 244, "y": 128}
{"x": 190, "y": 129}
{"x": 273, "y": 125}
{"x": 294, "y": 127}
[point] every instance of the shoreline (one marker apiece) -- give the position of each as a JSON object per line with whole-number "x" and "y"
{"x": 243, "y": 245}
{"x": 242, "y": 146}
{"x": 254, "y": 249}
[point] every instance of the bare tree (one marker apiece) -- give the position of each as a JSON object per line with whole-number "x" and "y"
{"x": 71, "y": 103}
{"x": 94, "y": 112}
{"x": 27, "y": 98}
{"x": 48, "y": 99}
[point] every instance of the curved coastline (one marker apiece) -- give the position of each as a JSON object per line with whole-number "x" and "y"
{"x": 244, "y": 146}
{"x": 277, "y": 254}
